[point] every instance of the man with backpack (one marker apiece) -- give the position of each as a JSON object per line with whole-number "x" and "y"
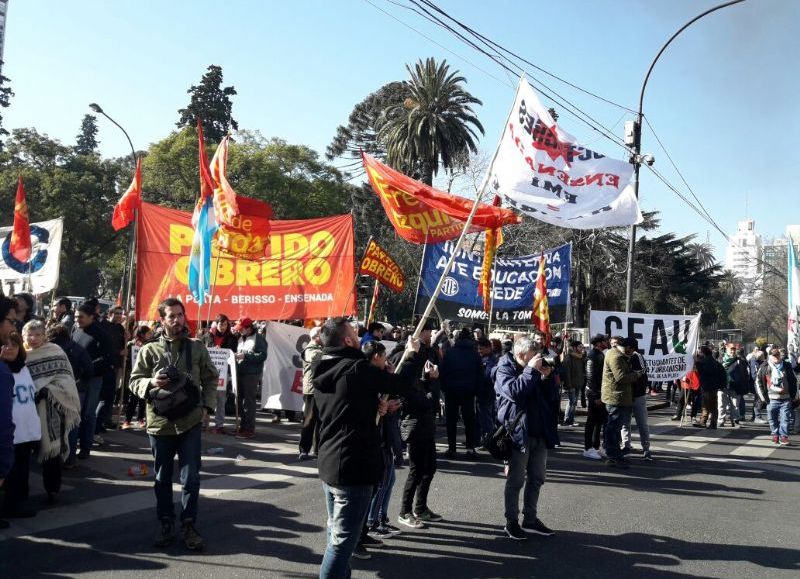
{"x": 175, "y": 376}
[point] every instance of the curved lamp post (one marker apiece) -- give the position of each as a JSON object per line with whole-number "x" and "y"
{"x": 637, "y": 144}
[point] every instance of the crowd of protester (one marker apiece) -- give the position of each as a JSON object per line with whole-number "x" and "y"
{"x": 368, "y": 408}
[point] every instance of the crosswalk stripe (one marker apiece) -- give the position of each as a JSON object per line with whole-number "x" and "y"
{"x": 759, "y": 447}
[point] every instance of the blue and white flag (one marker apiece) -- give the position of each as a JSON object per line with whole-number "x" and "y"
{"x": 205, "y": 226}
{"x": 793, "y": 325}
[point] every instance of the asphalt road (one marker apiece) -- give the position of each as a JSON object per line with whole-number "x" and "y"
{"x": 718, "y": 503}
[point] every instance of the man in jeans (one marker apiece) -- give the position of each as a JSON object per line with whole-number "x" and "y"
{"x": 617, "y": 395}
{"x": 639, "y": 406}
{"x": 528, "y": 401}
{"x": 777, "y": 384}
{"x": 346, "y": 391}
{"x": 251, "y": 353}
{"x": 181, "y": 435}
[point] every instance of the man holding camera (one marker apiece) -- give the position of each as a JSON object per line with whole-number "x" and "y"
{"x": 617, "y": 394}
{"x": 176, "y": 377}
{"x": 527, "y": 402}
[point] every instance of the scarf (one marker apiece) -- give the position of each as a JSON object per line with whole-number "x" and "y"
{"x": 60, "y": 408}
{"x": 776, "y": 373}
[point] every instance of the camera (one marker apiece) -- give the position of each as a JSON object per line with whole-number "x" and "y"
{"x": 548, "y": 360}
{"x": 172, "y": 373}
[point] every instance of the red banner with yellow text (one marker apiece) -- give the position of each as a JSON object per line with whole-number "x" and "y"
{"x": 379, "y": 264}
{"x": 307, "y": 270}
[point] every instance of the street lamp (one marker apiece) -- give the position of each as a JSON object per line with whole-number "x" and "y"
{"x": 96, "y": 108}
{"x": 132, "y": 234}
{"x": 635, "y": 136}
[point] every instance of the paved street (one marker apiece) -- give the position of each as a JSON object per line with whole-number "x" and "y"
{"x": 713, "y": 504}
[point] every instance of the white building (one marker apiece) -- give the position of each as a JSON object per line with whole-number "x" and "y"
{"x": 743, "y": 256}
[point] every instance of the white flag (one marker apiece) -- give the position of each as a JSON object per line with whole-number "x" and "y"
{"x": 41, "y": 270}
{"x": 543, "y": 172}
{"x": 793, "y": 338}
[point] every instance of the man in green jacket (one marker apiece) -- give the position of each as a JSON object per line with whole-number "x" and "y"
{"x": 617, "y": 394}
{"x": 251, "y": 353}
{"x": 149, "y": 380}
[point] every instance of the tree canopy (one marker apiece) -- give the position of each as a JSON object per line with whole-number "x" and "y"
{"x": 211, "y": 102}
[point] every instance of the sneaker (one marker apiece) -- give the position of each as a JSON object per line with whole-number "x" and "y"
{"x": 83, "y": 454}
{"x": 219, "y": 430}
{"x": 428, "y": 516}
{"x": 303, "y": 456}
{"x": 276, "y": 420}
{"x": 759, "y": 421}
{"x": 514, "y": 531}
{"x": 602, "y": 453}
{"x": 775, "y": 439}
{"x": 98, "y": 439}
{"x": 380, "y": 532}
{"x": 360, "y": 552}
{"x": 191, "y": 538}
{"x": 472, "y": 453}
{"x": 616, "y": 463}
{"x": 166, "y": 534}
{"x": 372, "y": 542}
{"x": 784, "y": 441}
{"x": 409, "y": 520}
{"x": 647, "y": 455}
{"x": 142, "y": 424}
{"x": 126, "y": 425}
{"x": 626, "y": 450}
{"x": 245, "y": 434}
{"x": 538, "y": 527}
{"x": 698, "y": 425}
{"x": 390, "y": 528}
{"x": 592, "y": 454}
{"x": 674, "y": 418}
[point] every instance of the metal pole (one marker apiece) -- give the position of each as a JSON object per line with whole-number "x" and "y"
{"x": 355, "y": 278}
{"x": 419, "y": 278}
{"x": 638, "y": 143}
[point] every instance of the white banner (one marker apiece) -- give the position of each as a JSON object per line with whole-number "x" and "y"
{"x": 543, "y": 172}
{"x": 282, "y": 381}
{"x": 222, "y": 358}
{"x": 43, "y": 264}
{"x": 793, "y": 338}
{"x": 667, "y": 342}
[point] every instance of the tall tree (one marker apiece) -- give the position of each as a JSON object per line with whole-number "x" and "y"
{"x": 86, "y": 141}
{"x": 5, "y": 100}
{"x": 211, "y": 102}
{"x": 434, "y": 125}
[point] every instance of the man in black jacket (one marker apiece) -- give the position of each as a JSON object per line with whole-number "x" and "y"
{"x": 712, "y": 377}
{"x": 596, "y": 414}
{"x": 346, "y": 390}
{"x": 461, "y": 375}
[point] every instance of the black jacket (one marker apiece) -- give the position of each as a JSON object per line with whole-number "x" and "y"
{"x": 98, "y": 347}
{"x": 594, "y": 373}
{"x": 462, "y": 370}
{"x": 711, "y": 374}
{"x": 346, "y": 391}
{"x": 80, "y": 361}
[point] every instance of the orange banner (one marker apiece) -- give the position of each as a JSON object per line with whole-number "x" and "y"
{"x": 307, "y": 272}
{"x": 247, "y": 237}
{"x": 378, "y": 264}
{"x": 422, "y": 214}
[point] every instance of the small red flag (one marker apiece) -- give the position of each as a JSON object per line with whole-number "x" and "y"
{"x": 20, "y": 243}
{"x": 131, "y": 200}
{"x": 541, "y": 310}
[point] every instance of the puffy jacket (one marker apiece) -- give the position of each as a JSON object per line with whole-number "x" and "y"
{"x": 6, "y": 420}
{"x": 311, "y": 357}
{"x": 574, "y": 372}
{"x": 764, "y": 387}
{"x": 594, "y": 373}
{"x": 618, "y": 379}
{"x": 461, "y": 369}
{"x": 253, "y": 363}
{"x": 152, "y": 359}
{"x": 521, "y": 389}
{"x": 346, "y": 391}
{"x": 640, "y": 385}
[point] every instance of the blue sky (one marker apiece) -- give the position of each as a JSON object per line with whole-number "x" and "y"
{"x": 723, "y": 98}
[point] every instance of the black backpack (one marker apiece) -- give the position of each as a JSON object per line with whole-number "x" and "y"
{"x": 181, "y": 395}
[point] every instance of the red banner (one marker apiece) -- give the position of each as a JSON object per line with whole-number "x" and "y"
{"x": 247, "y": 237}
{"x": 379, "y": 264}
{"x": 421, "y": 214}
{"x": 307, "y": 272}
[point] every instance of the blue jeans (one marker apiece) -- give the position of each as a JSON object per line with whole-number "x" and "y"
{"x": 778, "y": 414}
{"x": 572, "y": 403}
{"x": 187, "y": 446}
{"x": 617, "y": 416}
{"x": 347, "y": 508}
{"x": 106, "y": 402}
{"x": 85, "y": 432}
{"x": 528, "y": 468}
{"x": 379, "y": 507}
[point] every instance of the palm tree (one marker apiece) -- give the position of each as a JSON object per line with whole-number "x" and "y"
{"x": 434, "y": 124}
{"x": 703, "y": 253}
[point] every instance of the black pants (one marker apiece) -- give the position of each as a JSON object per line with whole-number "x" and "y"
{"x": 453, "y": 402}
{"x": 309, "y": 433}
{"x": 421, "y": 468}
{"x": 596, "y": 416}
{"x": 134, "y": 405}
{"x": 17, "y": 483}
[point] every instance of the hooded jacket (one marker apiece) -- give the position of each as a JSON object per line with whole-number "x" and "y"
{"x": 618, "y": 379}
{"x": 346, "y": 392}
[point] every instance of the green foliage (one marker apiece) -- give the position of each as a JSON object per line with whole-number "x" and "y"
{"x": 86, "y": 141}
{"x": 210, "y": 102}
{"x": 435, "y": 124}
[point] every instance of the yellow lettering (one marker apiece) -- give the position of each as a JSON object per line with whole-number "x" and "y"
{"x": 318, "y": 271}
{"x": 290, "y": 272}
{"x": 222, "y": 273}
{"x": 180, "y": 236}
{"x": 247, "y": 273}
{"x": 182, "y": 269}
{"x": 270, "y": 275}
{"x": 322, "y": 244}
{"x": 295, "y": 245}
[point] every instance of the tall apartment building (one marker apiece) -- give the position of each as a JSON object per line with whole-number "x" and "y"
{"x": 743, "y": 257}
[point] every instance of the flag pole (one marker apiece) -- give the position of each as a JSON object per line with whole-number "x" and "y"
{"x": 131, "y": 255}
{"x": 419, "y": 278}
{"x": 355, "y": 277}
{"x": 491, "y": 294}
{"x": 213, "y": 286}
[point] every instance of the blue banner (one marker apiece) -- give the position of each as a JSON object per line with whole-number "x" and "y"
{"x": 513, "y": 287}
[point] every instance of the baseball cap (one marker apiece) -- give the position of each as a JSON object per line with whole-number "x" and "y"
{"x": 243, "y": 323}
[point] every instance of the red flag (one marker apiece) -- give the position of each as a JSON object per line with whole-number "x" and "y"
{"x": 380, "y": 265}
{"x": 206, "y": 182}
{"x": 20, "y": 243}
{"x": 130, "y": 202}
{"x": 375, "y": 293}
{"x": 421, "y": 214}
{"x": 541, "y": 311}
{"x": 225, "y": 207}
{"x": 494, "y": 239}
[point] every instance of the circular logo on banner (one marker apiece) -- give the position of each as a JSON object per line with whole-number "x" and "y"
{"x": 39, "y": 237}
{"x": 450, "y": 287}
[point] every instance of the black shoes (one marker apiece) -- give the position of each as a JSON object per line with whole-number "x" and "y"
{"x": 514, "y": 531}
{"x": 191, "y": 538}
{"x": 538, "y": 527}
{"x": 166, "y": 534}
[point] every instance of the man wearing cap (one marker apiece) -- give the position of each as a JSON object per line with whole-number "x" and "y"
{"x": 617, "y": 395}
{"x": 251, "y": 353}
{"x": 596, "y": 414}
{"x": 309, "y": 433}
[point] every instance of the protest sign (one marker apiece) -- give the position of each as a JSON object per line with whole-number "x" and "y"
{"x": 43, "y": 265}
{"x": 667, "y": 342}
{"x": 282, "y": 379}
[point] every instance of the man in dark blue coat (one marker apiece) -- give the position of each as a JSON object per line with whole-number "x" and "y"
{"x": 525, "y": 388}
{"x": 461, "y": 375}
